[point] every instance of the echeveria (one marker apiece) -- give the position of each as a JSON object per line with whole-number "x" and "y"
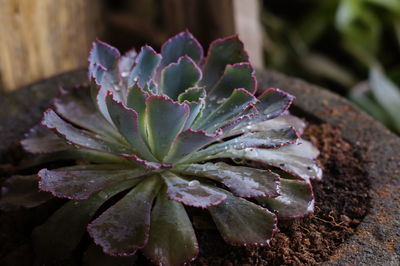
{"x": 159, "y": 132}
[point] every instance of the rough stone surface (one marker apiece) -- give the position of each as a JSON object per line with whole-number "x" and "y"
{"x": 376, "y": 241}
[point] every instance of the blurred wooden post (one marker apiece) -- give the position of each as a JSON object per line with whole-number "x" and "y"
{"x": 211, "y": 19}
{"x": 41, "y": 38}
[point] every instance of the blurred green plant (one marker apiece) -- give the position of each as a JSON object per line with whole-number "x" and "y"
{"x": 345, "y": 45}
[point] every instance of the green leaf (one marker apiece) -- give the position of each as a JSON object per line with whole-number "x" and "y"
{"x": 124, "y": 227}
{"x": 239, "y": 101}
{"x": 242, "y": 222}
{"x": 180, "y": 45}
{"x": 296, "y": 200}
{"x": 80, "y": 183}
{"x": 221, "y": 53}
{"x": 126, "y": 63}
{"x": 136, "y": 99}
{"x": 172, "y": 239}
{"x": 40, "y": 139}
{"x": 77, "y": 154}
{"x": 264, "y": 139}
{"x": 104, "y": 74}
{"x": 102, "y": 55}
{"x": 387, "y": 94}
{"x": 242, "y": 181}
{"x": 297, "y": 159}
{"x": 147, "y": 62}
{"x": 61, "y": 233}
{"x": 273, "y": 103}
{"x": 76, "y": 106}
{"x": 178, "y": 77}
{"x": 283, "y": 121}
{"x": 127, "y": 122}
{"x": 188, "y": 142}
{"x": 239, "y": 75}
{"x": 192, "y": 95}
{"x": 165, "y": 120}
{"x": 78, "y": 136}
{"x": 21, "y": 192}
{"x": 195, "y": 99}
{"x": 191, "y": 193}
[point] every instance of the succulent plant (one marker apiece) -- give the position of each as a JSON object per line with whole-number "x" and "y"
{"x": 158, "y": 132}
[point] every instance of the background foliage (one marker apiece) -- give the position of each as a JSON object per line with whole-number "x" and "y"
{"x": 350, "y": 46}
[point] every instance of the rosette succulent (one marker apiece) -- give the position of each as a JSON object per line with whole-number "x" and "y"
{"x": 158, "y": 134}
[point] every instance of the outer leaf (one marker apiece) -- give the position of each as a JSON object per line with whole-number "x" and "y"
{"x": 59, "y": 236}
{"x": 191, "y": 193}
{"x": 239, "y": 100}
{"x": 188, "y": 142}
{"x": 265, "y": 139}
{"x": 147, "y": 62}
{"x": 296, "y": 200}
{"x": 172, "y": 239}
{"x": 177, "y": 77}
{"x": 242, "y": 181}
{"x": 80, "y": 184}
{"x": 125, "y": 226}
{"x": 282, "y": 121}
{"x": 21, "y": 192}
{"x": 273, "y": 102}
{"x": 195, "y": 99}
{"x": 180, "y": 45}
{"x": 221, "y": 53}
{"x": 297, "y": 159}
{"x": 77, "y": 136}
{"x": 165, "y": 120}
{"x": 242, "y": 222}
{"x": 40, "y": 139}
{"x": 78, "y": 154}
{"x": 76, "y": 106}
{"x": 127, "y": 122}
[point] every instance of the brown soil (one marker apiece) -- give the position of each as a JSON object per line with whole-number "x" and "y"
{"x": 341, "y": 203}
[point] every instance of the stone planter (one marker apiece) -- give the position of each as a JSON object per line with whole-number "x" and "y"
{"x": 376, "y": 241}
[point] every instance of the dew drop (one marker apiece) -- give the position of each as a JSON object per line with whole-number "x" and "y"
{"x": 117, "y": 87}
{"x": 103, "y": 195}
{"x": 193, "y": 183}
